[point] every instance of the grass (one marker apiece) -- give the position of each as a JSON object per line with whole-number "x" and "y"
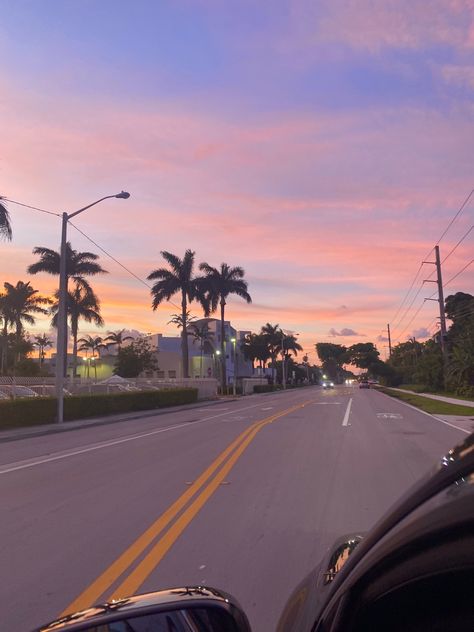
{"x": 415, "y": 388}
{"x": 433, "y": 406}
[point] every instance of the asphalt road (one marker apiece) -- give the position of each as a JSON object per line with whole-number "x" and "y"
{"x": 206, "y": 495}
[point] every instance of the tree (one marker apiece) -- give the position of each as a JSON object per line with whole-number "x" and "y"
{"x": 460, "y": 369}
{"x": 23, "y": 301}
{"x": 93, "y": 344}
{"x": 42, "y": 342}
{"x": 83, "y": 303}
{"x": 405, "y": 357}
{"x": 362, "y": 355}
{"x": 255, "y": 348}
{"x": 177, "y": 319}
{"x": 117, "y": 338}
{"x": 5, "y": 225}
{"x": 179, "y": 280}
{"x": 333, "y": 357}
{"x": 6, "y": 315}
{"x": 219, "y": 284}
{"x": 201, "y": 334}
{"x": 272, "y": 335}
{"x": 78, "y": 264}
{"x": 135, "y": 358}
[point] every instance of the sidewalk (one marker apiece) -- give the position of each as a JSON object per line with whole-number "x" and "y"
{"x": 441, "y": 398}
{"x": 26, "y": 432}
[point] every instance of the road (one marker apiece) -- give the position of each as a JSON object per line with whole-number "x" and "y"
{"x": 207, "y": 495}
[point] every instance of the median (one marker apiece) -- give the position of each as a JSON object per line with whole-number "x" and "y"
{"x": 432, "y": 406}
{"x": 42, "y": 410}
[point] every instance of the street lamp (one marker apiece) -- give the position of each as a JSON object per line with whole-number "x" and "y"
{"x": 234, "y": 386}
{"x": 61, "y": 346}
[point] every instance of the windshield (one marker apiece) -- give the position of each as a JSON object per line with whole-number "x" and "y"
{"x": 236, "y": 287}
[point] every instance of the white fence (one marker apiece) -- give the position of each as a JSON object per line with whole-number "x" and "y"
{"x": 44, "y": 386}
{"x": 249, "y": 382}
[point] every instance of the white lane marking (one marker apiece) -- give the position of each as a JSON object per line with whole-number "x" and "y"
{"x": 268, "y": 408}
{"x": 432, "y": 416}
{"x": 348, "y": 411}
{"x": 15, "y": 466}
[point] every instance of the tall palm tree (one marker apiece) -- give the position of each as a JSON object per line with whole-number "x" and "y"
{"x": 78, "y": 264}
{"x": 201, "y": 334}
{"x": 42, "y": 342}
{"x": 290, "y": 344}
{"x": 93, "y": 344}
{"x": 5, "y": 225}
{"x": 6, "y": 315}
{"x": 272, "y": 334}
{"x": 116, "y": 338}
{"x": 23, "y": 301}
{"x": 178, "y": 280}
{"x": 83, "y": 303}
{"x": 220, "y": 282}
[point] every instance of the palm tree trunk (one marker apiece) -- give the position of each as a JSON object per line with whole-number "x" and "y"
{"x": 223, "y": 358}
{"x": 200, "y": 362}
{"x": 74, "y": 328}
{"x": 4, "y": 347}
{"x": 184, "y": 338}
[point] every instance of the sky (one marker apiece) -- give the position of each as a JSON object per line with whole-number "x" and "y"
{"x": 324, "y": 146}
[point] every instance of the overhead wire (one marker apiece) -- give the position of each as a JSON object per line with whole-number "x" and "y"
{"x": 34, "y": 208}
{"x": 459, "y": 211}
{"x": 124, "y": 267}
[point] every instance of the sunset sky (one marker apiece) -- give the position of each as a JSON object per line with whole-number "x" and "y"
{"x": 324, "y": 146}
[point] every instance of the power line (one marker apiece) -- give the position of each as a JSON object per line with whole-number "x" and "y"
{"x": 458, "y": 244}
{"x": 461, "y": 208}
{"x": 459, "y": 211}
{"x": 34, "y": 208}
{"x": 135, "y": 276}
{"x": 410, "y": 322}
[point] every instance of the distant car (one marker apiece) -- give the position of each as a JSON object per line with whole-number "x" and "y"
{"x": 17, "y": 391}
{"x": 328, "y": 384}
{"x": 364, "y": 384}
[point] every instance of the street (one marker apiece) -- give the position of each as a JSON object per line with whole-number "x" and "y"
{"x": 243, "y": 495}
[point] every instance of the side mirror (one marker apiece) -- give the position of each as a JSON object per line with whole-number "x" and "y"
{"x": 188, "y": 609}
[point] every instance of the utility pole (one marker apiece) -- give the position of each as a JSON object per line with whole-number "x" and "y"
{"x": 389, "y": 341}
{"x": 442, "y": 317}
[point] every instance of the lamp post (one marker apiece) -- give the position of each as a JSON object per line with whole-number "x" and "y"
{"x": 61, "y": 346}
{"x": 234, "y": 385}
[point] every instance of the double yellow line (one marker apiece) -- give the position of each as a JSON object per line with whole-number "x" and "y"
{"x": 206, "y": 484}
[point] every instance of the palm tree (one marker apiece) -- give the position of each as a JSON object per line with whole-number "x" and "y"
{"x": 83, "y": 303}
{"x": 6, "y": 315}
{"x": 179, "y": 279}
{"x": 93, "y": 344}
{"x": 116, "y": 338}
{"x": 201, "y": 334}
{"x": 254, "y": 347}
{"x": 272, "y": 334}
{"x": 177, "y": 319}
{"x": 290, "y": 344}
{"x": 5, "y": 225}
{"x": 23, "y": 301}
{"x": 78, "y": 264}
{"x": 42, "y": 342}
{"x": 219, "y": 284}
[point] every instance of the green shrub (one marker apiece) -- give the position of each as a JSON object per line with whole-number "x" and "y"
{"x": 42, "y": 410}
{"x": 266, "y": 388}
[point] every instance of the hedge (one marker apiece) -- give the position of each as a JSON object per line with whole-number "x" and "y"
{"x": 42, "y": 410}
{"x": 266, "y": 388}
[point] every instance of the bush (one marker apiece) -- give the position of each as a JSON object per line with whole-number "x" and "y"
{"x": 229, "y": 390}
{"x": 266, "y": 388}
{"x": 42, "y": 410}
